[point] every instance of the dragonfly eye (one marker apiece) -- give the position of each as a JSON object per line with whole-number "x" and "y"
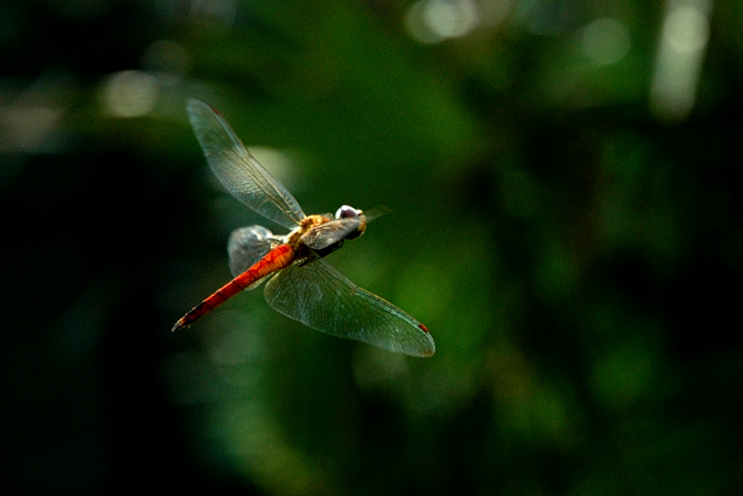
{"x": 346, "y": 212}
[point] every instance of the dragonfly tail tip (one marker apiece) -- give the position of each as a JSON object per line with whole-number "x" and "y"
{"x": 177, "y": 325}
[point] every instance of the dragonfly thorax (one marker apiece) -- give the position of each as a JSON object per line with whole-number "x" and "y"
{"x": 306, "y": 225}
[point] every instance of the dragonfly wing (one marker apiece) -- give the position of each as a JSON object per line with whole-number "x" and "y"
{"x": 238, "y": 170}
{"x": 322, "y": 298}
{"x": 247, "y": 246}
{"x": 320, "y": 237}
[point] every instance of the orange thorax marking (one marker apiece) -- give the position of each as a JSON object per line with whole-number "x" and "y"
{"x": 306, "y": 225}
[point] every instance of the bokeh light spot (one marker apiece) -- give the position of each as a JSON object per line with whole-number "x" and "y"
{"x": 130, "y": 93}
{"x": 27, "y": 128}
{"x": 432, "y": 21}
{"x": 606, "y": 41}
{"x": 678, "y": 64}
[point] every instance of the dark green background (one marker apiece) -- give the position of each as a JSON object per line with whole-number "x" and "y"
{"x": 576, "y": 257}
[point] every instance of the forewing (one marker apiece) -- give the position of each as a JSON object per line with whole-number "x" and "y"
{"x": 324, "y": 235}
{"x": 238, "y": 171}
{"x": 322, "y": 298}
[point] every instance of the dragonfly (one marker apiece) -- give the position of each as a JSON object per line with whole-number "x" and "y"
{"x": 299, "y": 283}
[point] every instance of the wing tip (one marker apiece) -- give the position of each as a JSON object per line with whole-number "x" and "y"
{"x": 426, "y": 349}
{"x": 194, "y": 107}
{"x": 429, "y": 351}
{"x": 195, "y": 103}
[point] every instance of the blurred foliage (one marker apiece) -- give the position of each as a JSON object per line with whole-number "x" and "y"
{"x": 565, "y": 221}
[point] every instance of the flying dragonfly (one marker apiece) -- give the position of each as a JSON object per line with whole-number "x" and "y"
{"x": 299, "y": 282}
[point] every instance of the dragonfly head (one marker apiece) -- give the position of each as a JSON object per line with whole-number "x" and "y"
{"x": 347, "y": 212}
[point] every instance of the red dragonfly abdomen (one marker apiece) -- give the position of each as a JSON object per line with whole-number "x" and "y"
{"x": 274, "y": 260}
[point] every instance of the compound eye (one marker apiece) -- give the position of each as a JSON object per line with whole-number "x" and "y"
{"x": 346, "y": 212}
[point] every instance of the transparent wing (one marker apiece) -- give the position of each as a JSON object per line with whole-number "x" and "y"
{"x": 238, "y": 171}
{"x": 247, "y": 246}
{"x": 324, "y": 235}
{"x": 322, "y": 298}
